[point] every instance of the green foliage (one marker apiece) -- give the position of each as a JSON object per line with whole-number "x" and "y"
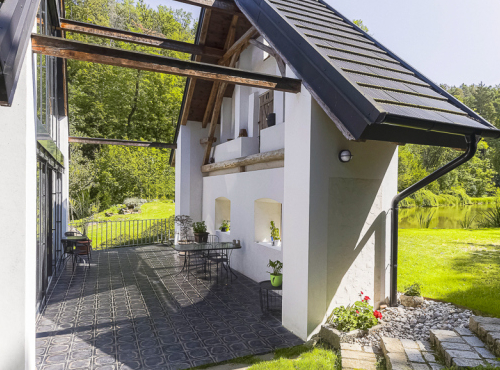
{"x": 407, "y": 203}
{"x": 360, "y": 24}
{"x": 425, "y": 198}
{"x": 275, "y": 232}
{"x": 359, "y": 315}
{"x": 123, "y": 103}
{"x": 468, "y": 221}
{"x": 461, "y": 195}
{"x": 413, "y": 290}
{"x": 82, "y": 209}
{"x": 134, "y": 202}
{"x": 225, "y": 225}
{"x": 199, "y": 227}
{"x": 277, "y": 266}
{"x": 184, "y": 222}
{"x": 424, "y": 221}
{"x": 317, "y": 359}
{"x": 448, "y": 200}
{"x": 490, "y": 218}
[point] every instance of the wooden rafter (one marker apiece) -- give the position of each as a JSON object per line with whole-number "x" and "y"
{"x": 100, "y": 141}
{"x": 272, "y": 52}
{"x": 227, "y": 6}
{"x": 191, "y": 84}
{"x": 137, "y": 38}
{"x": 69, "y": 49}
{"x": 215, "y": 87}
{"x": 238, "y": 45}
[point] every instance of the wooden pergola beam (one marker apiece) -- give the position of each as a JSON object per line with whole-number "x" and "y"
{"x": 138, "y": 38}
{"x": 276, "y": 155}
{"x": 100, "y": 141}
{"x": 69, "y": 49}
{"x": 252, "y": 31}
{"x": 227, "y": 6}
{"x": 268, "y": 49}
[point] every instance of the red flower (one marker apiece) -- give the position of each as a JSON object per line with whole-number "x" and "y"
{"x": 357, "y": 312}
{"x": 361, "y": 293}
{"x": 377, "y": 314}
{"x": 366, "y": 298}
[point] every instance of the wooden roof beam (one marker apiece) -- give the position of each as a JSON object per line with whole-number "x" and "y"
{"x": 69, "y": 49}
{"x": 227, "y": 6}
{"x": 138, "y": 38}
{"x": 236, "y": 47}
{"x": 268, "y": 49}
{"x": 100, "y": 141}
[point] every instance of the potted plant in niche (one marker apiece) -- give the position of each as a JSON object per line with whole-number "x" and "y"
{"x": 276, "y": 275}
{"x": 225, "y": 226}
{"x": 275, "y": 234}
{"x": 200, "y": 232}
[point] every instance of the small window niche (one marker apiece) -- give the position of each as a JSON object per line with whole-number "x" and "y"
{"x": 222, "y": 213}
{"x": 265, "y": 211}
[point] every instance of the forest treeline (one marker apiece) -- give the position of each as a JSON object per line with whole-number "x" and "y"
{"x": 113, "y": 102}
{"x": 122, "y": 103}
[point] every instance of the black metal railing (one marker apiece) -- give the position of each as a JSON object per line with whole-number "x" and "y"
{"x": 113, "y": 234}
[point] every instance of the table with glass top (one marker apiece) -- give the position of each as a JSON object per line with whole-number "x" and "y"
{"x": 207, "y": 251}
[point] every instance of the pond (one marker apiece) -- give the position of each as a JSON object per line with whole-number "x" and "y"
{"x": 443, "y": 217}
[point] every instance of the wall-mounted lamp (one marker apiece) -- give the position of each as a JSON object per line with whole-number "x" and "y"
{"x": 345, "y": 156}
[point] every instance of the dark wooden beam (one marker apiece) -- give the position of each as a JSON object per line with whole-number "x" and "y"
{"x": 227, "y": 6}
{"x": 273, "y": 53}
{"x": 99, "y": 141}
{"x": 236, "y": 47}
{"x": 70, "y": 49}
{"x": 138, "y": 38}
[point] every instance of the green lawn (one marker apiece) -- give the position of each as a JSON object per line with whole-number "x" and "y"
{"x": 153, "y": 210}
{"x": 458, "y": 266}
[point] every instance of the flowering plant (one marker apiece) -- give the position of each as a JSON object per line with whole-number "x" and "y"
{"x": 359, "y": 315}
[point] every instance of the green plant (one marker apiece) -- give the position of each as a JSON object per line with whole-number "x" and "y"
{"x": 425, "y": 221}
{"x": 468, "y": 221}
{"x": 359, "y": 315}
{"x": 199, "y": 227}
{"x": 425, "y": 198}
{"x": 275, "y": 232}
{"x": 277, "y": 266}
{"x": 83, "y": 211}
{"x": 225, "y": 225}
{"x": 407, "y": 203}
{"x": 184, "y": 222}
{"x": 134, "y": 202}
{"x": 413, "y": 290}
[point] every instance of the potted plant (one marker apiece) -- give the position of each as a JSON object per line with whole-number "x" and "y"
{"x": 412, "y": 296}
{"x": 200, "y": 232}
{"x": 184, "y": 222}
{"x": 225, "y": 226}
{"x": 276, "y": 275}
{"x": 275, "y": 233}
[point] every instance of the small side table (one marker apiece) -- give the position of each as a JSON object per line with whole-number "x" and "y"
{"x": 269, "y": 301}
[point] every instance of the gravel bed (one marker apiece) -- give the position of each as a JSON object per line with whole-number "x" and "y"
{"x": 415, "y": 323}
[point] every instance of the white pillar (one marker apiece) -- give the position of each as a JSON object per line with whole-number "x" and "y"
{"x": 241, "y": 105}
{"x": 226, "y": 120}
{"x": 18, "y": 220}
{"x": 188, "y": 175}
{"x": 253, "y": 114}
{"x": 64, "y": 147}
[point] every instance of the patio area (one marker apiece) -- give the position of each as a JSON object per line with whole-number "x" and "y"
{"x": 129, "y": 311}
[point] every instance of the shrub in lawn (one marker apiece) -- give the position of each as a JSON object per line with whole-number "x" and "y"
{"x": 424, "y": 221}
{"x": 407, "y": 203}
{"x": 425, "y": 198}
{"x": 134, "y": 202}
{"x": 414, "y": 290}
{"x": 359, "y": 315}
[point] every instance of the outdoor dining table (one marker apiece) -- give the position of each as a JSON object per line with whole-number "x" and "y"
{"x": 69, "y": 243}
{"x": 194, "y": 247}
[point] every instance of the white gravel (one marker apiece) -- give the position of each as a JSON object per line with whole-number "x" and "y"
{"x": 415, "y": 323}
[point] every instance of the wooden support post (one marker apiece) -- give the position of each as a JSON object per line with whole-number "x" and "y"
{"x": 137, "y": 38}
{"x": 69, "y": 49}
{"x": 100, "y": 141}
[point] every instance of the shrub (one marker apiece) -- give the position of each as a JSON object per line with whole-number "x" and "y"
{"x": 460, "y": 194}
{"x": 425, "y": 198}
{"x": 490, "y": 218}
{"x": 360, "y": 315}
{"x": 413, "y": 290}
{"x": 448, "y": 200}
{"x": 407, "y": 203}
{"x": 483, "y": 200}
{"x": 134, "y": 202}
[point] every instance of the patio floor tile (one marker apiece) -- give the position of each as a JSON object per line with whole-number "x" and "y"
{"x": 130, "y": 311}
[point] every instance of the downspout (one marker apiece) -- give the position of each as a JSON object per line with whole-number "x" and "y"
{"x": 471, "y": 151}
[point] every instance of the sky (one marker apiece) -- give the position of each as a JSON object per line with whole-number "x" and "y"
{"x": 449, "y": 41}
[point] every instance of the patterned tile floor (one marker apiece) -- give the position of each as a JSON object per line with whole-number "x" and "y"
{"x": 127, "y": 311}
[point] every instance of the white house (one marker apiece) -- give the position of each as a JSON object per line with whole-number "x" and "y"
{"x": 255, "y": 155}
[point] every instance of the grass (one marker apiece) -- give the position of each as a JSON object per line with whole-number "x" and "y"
{"x": 294, "y": 358}
{"x": 119, "y": 234}
{"x": 454, "y": 265}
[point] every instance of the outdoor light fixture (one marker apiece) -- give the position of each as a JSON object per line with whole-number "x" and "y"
{"x": 345, "y": 156}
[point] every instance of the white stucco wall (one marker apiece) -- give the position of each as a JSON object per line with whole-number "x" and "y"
{"x": 243, "y": 189}
{"x": 18, "y": 232}
{"x": 334, "y": 217}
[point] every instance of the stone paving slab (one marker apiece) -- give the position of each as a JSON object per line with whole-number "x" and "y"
{"x": 488, "y": 331}
{"x": 402, "y": 354}
{"x": 129, "y": 311}
{"x": 355, "y": 356}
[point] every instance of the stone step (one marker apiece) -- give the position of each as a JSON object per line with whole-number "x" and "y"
{"x": 460, "y": 348}
{"x": 405, "y": 354}
{"x": 355, "y": 356}
{"x": 488, "y": 330}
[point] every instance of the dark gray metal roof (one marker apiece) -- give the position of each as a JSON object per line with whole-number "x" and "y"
{"x": 368, "y": 91}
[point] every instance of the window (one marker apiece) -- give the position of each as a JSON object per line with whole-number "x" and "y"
{"x": 222, "y": 211}
{"x": 265, "y": 211}
{"x": 266, "y": 107}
